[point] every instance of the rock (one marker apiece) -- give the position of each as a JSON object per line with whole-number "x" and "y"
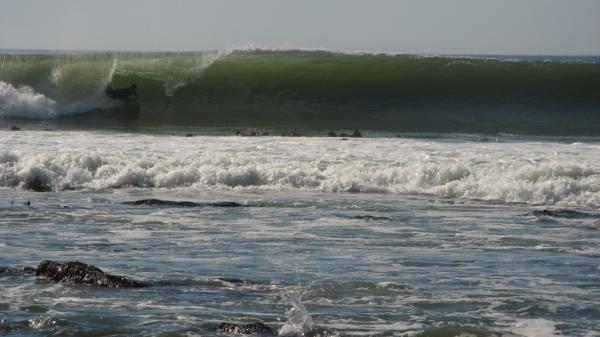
{"x": 36, "y": 184}
{"x": 332, "y": 134}
{"x": 247, "y": 133}
{"x": 246, "y": 329}
{"x": 370, "y": 217}
{"x": 232, "y": 280}
{"x": 225, "y": 204}
{"x": 158, "y": 202}
{"x": 355, "y": 134}
{"x": 15, "y": 128}
{"x": 81, "y": 273}
{"x": 563, "y": 213}
{"x": 189, "y": 135}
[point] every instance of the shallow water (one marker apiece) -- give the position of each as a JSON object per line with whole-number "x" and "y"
{"x": 303, "y": 255}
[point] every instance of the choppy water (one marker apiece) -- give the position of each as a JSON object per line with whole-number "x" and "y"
{"x": 365, "y": 237}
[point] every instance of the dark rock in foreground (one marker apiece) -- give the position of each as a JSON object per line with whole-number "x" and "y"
{"x": 247, "y": 329}
{"x": 15, "y": 128}
{"x": 563, "y": 213}
{"x": 81, "y": 273}
{"x": 158, "y": 202}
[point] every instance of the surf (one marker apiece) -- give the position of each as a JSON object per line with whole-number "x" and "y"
{"x": 313, "y": 89}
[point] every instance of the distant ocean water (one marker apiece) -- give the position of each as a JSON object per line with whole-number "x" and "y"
{"x": 470, "y": 206}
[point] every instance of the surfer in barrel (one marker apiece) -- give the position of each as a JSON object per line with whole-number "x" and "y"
{"x": 125, "y": 94}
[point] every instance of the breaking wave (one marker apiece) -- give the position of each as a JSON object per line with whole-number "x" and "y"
{"x": 315, "y": 89}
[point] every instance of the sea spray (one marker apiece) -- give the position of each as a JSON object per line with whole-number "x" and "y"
{"x": 299, "y": 321}
{"x": 25, "y": 102}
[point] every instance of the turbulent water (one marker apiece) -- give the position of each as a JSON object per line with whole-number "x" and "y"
{"x": 471, "y": 206}
{"x": 312, "y": 89}
{"x": 451, "y": 236}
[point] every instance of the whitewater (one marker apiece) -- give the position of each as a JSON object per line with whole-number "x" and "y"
{"x": 322, "y": 194}
{"x": 501, "y": 170}
{"x": 330, "y": 236}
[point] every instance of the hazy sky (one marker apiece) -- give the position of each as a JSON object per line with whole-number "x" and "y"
{"x": 414, "y": 26}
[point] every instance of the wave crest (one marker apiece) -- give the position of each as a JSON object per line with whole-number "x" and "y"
{"x": 317, "y": 89}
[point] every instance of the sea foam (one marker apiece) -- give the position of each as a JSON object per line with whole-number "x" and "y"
{"x": 527, "y": 172}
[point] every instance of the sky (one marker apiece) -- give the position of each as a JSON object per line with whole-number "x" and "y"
{"x": 548, "y": 27}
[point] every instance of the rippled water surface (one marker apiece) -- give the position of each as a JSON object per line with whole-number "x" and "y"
{"x": 372, "y": 237}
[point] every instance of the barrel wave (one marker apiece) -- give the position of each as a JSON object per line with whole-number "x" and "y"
{"x": 310, "y": 89}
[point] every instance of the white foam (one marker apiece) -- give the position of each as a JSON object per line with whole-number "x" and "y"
{"x": 534, "y": 173}
{"x": 535, "y": 328}
{"x": 41, "y": 322}
{"x": 27, "y": 103}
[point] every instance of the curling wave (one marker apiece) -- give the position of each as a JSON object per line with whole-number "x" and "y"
{"x": 318, "y": 89}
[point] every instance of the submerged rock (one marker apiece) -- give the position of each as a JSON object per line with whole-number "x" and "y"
{"x": 563, "y": 213}
{"x": 247, "y": 329}
{"x": 36, "y": 184}
{"x": 158, "y": 202}
{"x": 82, "y": 273}
{"x": 370, "y": 217}
{"x": 355, "y": 134}
{"x": 225, "y": 204}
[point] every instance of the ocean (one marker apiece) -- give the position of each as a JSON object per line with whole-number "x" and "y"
{"x": 237, "y": 190}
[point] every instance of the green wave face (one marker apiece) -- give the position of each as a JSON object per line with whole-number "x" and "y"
{"x": 329, "y": 90}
